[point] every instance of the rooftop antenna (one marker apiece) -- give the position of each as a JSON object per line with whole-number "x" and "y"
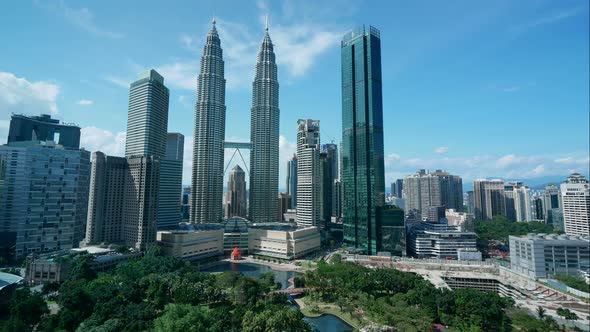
{"x": 213, "y": 21}
{"x": 266, "y": 22}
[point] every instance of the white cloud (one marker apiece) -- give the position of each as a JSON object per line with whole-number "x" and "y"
{"x": 182, "y": 75}
{"x": 507, "y": 160}
{"x": 97, "y": 139}
{"x": 480, "y": 166}
{"x": 297, "y": 47}
{"x": 19, "y": 95}
{"x": 118, "y": 81}
{"x": 85, "y": 102}
{"x": 188, "y": 42}
{"x": 442, "y": 149}
{"x": 84, "y": 19}
{"x": 539, "y": 170}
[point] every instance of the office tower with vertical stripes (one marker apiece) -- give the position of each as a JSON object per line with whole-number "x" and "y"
{"x": 169, "y": 195}
{"x": 292, "y": 180}
{"x": 147, "y": 119}
{"x": 363, "y": 177}
{"x": 489, "y": 199}
{"x": 264, "y": 136}
{"x": 328, "y": 173}
{"x": 209, "y": 135}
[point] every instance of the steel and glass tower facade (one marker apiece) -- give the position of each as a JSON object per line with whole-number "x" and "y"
{"x": 207, "y": 177}
{"x": 292, "y": 180}
{"x": 147, "y": 119}
{"x": 264, "y": 135}
{"x": 362, "y": 135}
{"x": 170, "y": 190}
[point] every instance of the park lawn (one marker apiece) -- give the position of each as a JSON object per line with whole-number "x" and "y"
{"x": 328, "y": 308}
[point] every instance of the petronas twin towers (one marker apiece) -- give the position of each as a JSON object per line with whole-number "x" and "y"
{"x": 208, "y": 149}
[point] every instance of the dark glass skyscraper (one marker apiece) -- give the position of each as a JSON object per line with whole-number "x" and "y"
{"x": 292, "y": 180}
{"x": 264, "y": 135}
{"x": 362, "y": 135}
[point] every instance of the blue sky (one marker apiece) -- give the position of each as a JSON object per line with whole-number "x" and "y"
{"x": 480, "y": 88}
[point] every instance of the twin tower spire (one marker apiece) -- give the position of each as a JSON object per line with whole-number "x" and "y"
{"x": 209, "y": 135}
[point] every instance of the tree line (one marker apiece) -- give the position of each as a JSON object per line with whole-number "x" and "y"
{"x": 408, "y": 302}
{"x": 154, "y": 293}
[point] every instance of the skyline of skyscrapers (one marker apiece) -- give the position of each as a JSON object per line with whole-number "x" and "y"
{"x": 209, "y": 134}
{"x": 363, "y": 178}
{"x": 127, "y": 197}
{"x": 264, "y": 136}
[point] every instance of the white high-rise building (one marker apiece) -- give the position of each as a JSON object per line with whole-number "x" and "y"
{"x": 575, "y": 197}
{"x": 207, "y": 173}
{"x": 308, "y": 172}
{"x": 522, "y": 203}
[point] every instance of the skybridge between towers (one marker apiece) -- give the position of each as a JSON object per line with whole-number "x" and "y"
{"x": 237, "y": 146}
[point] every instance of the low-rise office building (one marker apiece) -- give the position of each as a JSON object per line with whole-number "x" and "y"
{"x": 283, "y": 241}
{"x": 192, "y": 241}
{"x": 55, "y": 267}
{"x": 545, "y": 255}
{"x": 440, "y": 240}
{"x": 212, "y": 241}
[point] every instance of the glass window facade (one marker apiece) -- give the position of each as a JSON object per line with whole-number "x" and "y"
{"x": 362, "y": 135}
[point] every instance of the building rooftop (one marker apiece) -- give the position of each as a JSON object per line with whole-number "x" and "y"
{"x": 44, "y": 118}
{"x": 553, "y": 237}
{"x": 359, "y": 31}
{"x": 275, "y": 226}
{"x": 92, "y": 250}
{"x": 7, "y": 279}
{"x": 191, "y": 228}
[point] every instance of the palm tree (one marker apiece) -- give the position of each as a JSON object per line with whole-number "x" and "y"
{"x": 541, "y": 312}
